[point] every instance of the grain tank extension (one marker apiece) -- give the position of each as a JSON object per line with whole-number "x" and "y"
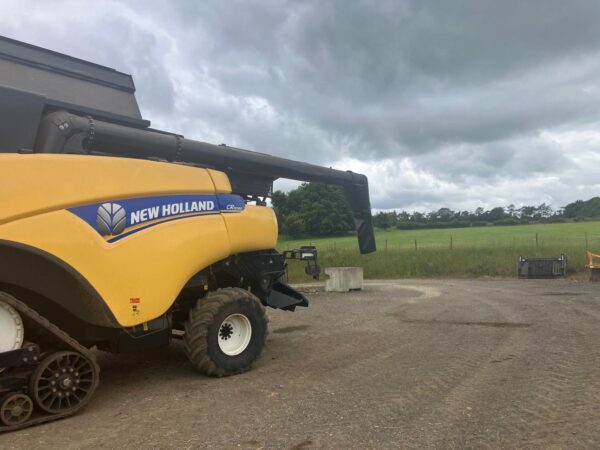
{"x": 119, "y": 236}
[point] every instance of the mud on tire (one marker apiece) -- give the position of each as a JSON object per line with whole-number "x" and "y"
{"x": 207, "y": 322}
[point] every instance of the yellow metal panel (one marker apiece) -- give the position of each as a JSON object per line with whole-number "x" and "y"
{"x": 221, "y": 181}
{"x": 254, "y": 229}
{"x": 152, "y": 265}
{"x": 32, "y": 184}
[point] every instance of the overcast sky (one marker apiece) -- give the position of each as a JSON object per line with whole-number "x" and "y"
{"x": 453, "y": 104}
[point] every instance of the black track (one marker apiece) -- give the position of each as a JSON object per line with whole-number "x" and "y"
{"x": 69, "y": 344}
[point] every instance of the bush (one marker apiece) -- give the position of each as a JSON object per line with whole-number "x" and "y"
{"x": 507, "y": 222}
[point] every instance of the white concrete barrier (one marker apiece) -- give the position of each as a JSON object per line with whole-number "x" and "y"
{"x": 344, "y": 279}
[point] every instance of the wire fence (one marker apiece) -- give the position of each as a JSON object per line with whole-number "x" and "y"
{"x": 586, "y": 241}
{"x": 454, "y": 253}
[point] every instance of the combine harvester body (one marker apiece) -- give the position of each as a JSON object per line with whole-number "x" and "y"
{"x": 119, "y": 236}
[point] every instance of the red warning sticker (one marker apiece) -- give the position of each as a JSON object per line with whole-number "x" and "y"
{"x": 134, "y": 300}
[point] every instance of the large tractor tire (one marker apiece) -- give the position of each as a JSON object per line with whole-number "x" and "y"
{"x": 225, "y": 332}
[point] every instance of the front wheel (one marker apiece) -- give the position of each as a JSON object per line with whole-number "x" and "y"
{"x": 225, "y": 332}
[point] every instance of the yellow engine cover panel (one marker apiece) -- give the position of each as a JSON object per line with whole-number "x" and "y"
{"x": 32, "y": 184}
{"x": 136, "y": 230}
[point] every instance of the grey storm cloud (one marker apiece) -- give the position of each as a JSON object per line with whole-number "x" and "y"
{"x": 458, "y": 104}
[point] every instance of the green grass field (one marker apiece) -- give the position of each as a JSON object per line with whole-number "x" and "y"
{"x": 477, "y": 251}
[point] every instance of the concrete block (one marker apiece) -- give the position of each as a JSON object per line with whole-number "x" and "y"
{"x": 344, "y": 279}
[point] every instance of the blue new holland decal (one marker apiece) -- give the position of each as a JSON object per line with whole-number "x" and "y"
{"x": 120, "y": 218}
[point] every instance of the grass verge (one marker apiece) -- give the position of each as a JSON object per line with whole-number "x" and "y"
{"x": 491, "y": 251}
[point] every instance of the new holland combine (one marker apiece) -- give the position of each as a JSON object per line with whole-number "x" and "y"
{"x": 117, "y": 236}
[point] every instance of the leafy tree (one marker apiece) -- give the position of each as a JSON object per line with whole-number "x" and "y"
{"x": 404, "y": 216}
{"x": 587, "y": 209}
{"x": 527, "y": 212}
{"x": 418, "y": 217}
{"x": 495, "y": 214}
{"x": 293, "y": 225}
{"x": 544, "y": 211}
{"x": 313, "y": 209}
{"x": 385, "y": 220}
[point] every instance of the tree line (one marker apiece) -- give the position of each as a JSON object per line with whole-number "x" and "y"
{"x": 509, "y": 215}
{"x": 315, "y": 209}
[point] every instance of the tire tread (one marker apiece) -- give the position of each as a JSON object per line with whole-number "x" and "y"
{"x": 201, "y": 317}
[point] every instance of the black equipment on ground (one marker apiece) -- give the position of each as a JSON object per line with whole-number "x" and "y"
{"x": 542, "y": 267}
{"x": 306, "y": 253}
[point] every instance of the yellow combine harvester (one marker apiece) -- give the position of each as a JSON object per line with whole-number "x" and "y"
{"x": 119, "y": 236}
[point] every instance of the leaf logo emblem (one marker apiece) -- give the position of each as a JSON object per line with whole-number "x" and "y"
{"x": 111, "y": 219}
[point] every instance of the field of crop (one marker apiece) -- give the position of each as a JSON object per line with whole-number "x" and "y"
{"x": 477, "y": 251}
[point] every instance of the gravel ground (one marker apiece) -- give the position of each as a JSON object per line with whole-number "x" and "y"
{"x": 407, "y": 364}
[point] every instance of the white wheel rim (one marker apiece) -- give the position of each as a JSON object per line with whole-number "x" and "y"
{"x": 234, "y": 334}
{"x": 11, "y": 329}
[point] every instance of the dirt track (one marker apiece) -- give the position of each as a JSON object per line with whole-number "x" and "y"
{"x": 412, "y": 364}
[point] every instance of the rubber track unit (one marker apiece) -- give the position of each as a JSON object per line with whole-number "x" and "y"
{"x": 201, "y": 317}
{"x": 65, "y": 339}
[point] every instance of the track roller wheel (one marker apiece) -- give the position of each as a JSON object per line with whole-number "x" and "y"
{"x": 64, "y": 382}
{"x": 15, "y": 409}
{"x": 225, "y": 332}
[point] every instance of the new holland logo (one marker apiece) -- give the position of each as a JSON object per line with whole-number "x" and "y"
{"x": 124, "y": 217}
{"x": 111, "y": 219}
